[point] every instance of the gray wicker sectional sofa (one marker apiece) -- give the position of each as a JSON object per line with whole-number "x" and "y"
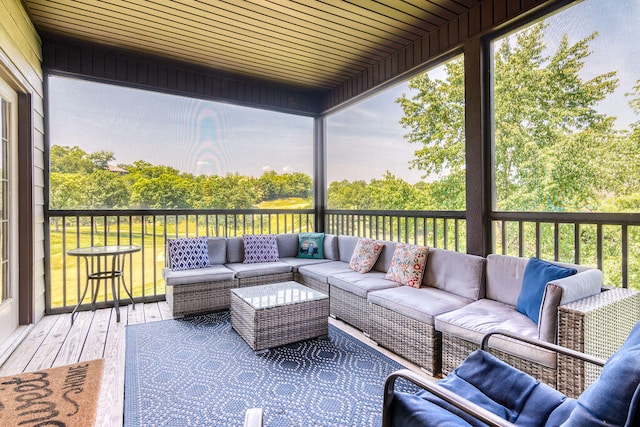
{"x": 436, "y": 326}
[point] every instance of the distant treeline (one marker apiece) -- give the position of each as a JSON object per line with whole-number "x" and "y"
{"x": 81, "y": 180}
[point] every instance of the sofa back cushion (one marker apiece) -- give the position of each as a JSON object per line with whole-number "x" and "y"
{"x": 217, "y": 247}
{"x": 331, "y": 247}
{"x": 235, "y": 250}
{"x": 455, "y": 272}
{"x": 346, "y": 245}
{"x": 384, "y": 259}
{"x": 504, "y": 278}
{"x": 287, "y": 245}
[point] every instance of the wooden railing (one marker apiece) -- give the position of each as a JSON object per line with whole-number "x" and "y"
{"x": 148, "y": 229}
{"x": 438, "y": 229}
{"x": 610, "y": 242}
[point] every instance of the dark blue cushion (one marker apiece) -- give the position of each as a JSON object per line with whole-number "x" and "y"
{"x": 489, "y": 383}
{"x": 537, "y": 274}
{"x": 613, "y": 399}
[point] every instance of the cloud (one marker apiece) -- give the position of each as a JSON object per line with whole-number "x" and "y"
{"x": 266, "y": 168}
{"x": 288, "y": 169}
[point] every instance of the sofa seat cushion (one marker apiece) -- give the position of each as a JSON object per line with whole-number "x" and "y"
{"x": 258, "y": 269}
{"x": 421, "y": 304}
{"x": 361, "y": 284}
{"x": 322, "y": 271}
{"x": 296, "y": 263}
{"x": 215, "y": 273}
{"x": 472, "y": 322}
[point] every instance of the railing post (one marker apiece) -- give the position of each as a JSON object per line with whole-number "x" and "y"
{"x": 319, "y": 173}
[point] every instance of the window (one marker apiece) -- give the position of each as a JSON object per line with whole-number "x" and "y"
{"x": 113, "y": 147}
{"x": 566, "y": 104}
{"x": 403, "y": 148}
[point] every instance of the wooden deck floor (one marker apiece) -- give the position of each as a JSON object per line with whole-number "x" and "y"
{"x": 53, "y": 342}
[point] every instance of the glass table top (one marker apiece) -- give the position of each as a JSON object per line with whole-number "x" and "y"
{"x": 277, "y": 294}
{"x": 104, "y": 250}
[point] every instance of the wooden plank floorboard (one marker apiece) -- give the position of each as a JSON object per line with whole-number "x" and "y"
{"x": 74, "y": 342}
{"x": 111, "y": 401}
{"x": 96, "y": 336}
{"x": 165, "y": 310}
{"x": 21, "y": 357}
{"x": 48, "y": 352}
{"x": 152, "y": 312}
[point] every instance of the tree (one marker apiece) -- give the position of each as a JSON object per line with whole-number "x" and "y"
{"x": 230, "y": 192}
{"x": 65, "y": 159}
{"x": 101, "y": 159}
{"x": 106, "y": 190}
{"x": 547, "y": 130}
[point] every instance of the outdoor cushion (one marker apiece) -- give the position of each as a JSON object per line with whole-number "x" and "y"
{"x": 455, "y": 272}
{"x": 258, "y": 269}
{"x": 331, "y": 247}
{"x": 296, "y": 263}
{"x": 563, "y": 291}
{"x": 361, "y": 284}
{"x": 260, "y": 248}
{"x": 609, "y": 399}
{"x": 537, "y": 274}
{"x": 214, "y": 273}
{"x": 311, "y": 245}
{"x": 188, "y": 253}
{"x": 365, "y": 255}
{"x": 322, "y": 271}
{"x": 488, "y": 382}
{"x": 287, "y": 245}
{"x": 421, "y": 304}
{"x": 473, "y": 321}
{"x": 407, "y": 264}
{"x": 217, "y": 247}
{"x": 346, "y": 245}
{"x": 386, "y": 255}
{"x": 235, "y": 249}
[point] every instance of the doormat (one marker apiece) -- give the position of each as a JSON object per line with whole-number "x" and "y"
{"x": 62, "y": 396}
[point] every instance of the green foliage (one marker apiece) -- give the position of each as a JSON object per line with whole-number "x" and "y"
{"x": 547, "y": 130}
{"x": 70, "y": 160}
{"x": 81, "y": 181}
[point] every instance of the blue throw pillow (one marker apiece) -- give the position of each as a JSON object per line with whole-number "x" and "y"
{"x": 311, "y": 245}
{"x": 537, "y": 274}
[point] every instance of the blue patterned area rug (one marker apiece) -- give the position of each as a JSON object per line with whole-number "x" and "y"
{"x": 199, "y": 372}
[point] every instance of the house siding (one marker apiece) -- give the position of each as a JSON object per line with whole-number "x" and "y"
{"x": 21, "y": 64}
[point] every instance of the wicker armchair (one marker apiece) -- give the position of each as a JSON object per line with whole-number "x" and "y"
{"x": 487, "y": 390}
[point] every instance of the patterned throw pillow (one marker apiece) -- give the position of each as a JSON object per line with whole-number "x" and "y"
{"x": 260, "y": 248}
{"x": 407, "y": 264}
{"x": 311, "y": 245}
{"x": 187, "y": 253}
{"x": 365, "y": 255}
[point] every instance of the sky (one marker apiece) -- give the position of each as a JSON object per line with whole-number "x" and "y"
{"x": 364, "y": 140}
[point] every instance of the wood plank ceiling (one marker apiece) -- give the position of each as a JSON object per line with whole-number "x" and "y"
{"x": 307, "y": 44}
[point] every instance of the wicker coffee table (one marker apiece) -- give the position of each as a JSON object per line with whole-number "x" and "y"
{"x": 280, "y": 313}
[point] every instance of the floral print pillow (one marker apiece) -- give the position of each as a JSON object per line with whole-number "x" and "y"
{"x": 407, "y": 264}
{"x": 365, "y": 255}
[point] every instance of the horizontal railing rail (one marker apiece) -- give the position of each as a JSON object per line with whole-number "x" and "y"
{"x": 608, "y": 241}
{"x": 149, "y": 229}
